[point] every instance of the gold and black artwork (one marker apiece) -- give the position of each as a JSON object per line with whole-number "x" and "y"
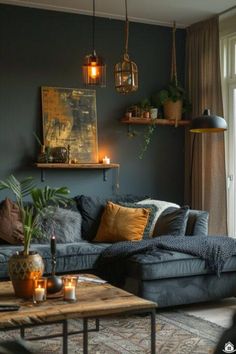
{"x": 70, "y": 122}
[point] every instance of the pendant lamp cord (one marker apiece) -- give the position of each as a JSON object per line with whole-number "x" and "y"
{"x": 93, "y": 36}
{"x": 126, "y": 30}
{"x": 173, "y": 61}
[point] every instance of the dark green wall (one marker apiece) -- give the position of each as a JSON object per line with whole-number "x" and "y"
{"x": 47, "y": 48}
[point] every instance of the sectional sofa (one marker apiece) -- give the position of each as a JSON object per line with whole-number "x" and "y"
{"x": 174, "y": 278}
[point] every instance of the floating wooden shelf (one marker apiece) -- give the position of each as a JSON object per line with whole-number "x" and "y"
{"x": 94, "y": 166}
{"x": 158, "y": 121}
{"x": 78, "y": 165}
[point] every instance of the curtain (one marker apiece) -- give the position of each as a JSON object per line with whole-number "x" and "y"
{"x": 206, "y": 189}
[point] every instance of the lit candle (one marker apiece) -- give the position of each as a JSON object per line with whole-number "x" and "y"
{"x": 106, "y": 160}
{"x": 53, "y": 245}
{"x": 69, "y": 292}
{"x": 39, "y": 293}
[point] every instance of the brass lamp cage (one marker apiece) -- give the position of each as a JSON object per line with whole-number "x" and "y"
{"x": 126, "y": 71}
{"x": 94, "y": 67}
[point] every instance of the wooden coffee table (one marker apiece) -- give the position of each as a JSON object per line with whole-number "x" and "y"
{"x": 94, "y": 301}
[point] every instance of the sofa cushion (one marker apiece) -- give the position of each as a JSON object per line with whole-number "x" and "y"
{"x": 11, "y": 229}
{"x": 91, "y": 209}
{"x": 197, "y": 224}
{"x": 71, "y": 257}
{"x": 164, "y": 264}
{"x": 161, "y": 205}
{"x": 172, "y": 221}
{"x": 148, "y": 231}
{"x": 65, "y": 224}
{"x": 120, "y": 223}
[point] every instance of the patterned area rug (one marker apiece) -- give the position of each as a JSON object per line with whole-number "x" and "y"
{"x": 177, "y": 333}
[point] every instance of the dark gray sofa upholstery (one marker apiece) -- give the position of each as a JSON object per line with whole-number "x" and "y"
{"x": 178, "y": 278}
{"x": 71, "y": 257}
{"x": 175, "y": 278}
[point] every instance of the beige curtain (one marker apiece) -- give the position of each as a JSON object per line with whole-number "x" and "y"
{"x": 207, "y": 189}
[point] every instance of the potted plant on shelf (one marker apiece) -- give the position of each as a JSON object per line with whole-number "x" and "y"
{"x": 173, "y": 99}
{"x": 24, "y": 266}
{"x": 145, "y": 106}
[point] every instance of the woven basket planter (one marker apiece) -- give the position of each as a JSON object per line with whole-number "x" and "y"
{"x": 173, "y": 110}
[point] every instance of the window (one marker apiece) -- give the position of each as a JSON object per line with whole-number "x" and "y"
{"x": 228, "y": 72}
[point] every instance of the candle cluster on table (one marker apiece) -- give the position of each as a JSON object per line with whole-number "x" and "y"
{"x": 40, "y": 290}
{"x": 69, "y": 287}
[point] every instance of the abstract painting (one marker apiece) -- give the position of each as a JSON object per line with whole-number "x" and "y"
{"x": 70, "y": 121}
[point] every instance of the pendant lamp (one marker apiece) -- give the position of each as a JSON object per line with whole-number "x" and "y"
{"x": 126, "y": 71}
{"x": 94, "y": 67}
{"x": 208, "y": 123}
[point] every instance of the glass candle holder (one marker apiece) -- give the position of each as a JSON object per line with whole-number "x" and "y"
{"x": 40, "y": 290}
{"x": 69, "y": 288}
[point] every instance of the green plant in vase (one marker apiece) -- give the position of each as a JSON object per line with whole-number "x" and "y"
{"x": 43, "y": 200}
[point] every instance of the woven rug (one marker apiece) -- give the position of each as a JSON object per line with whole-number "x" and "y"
{"x": 177, "y": 333}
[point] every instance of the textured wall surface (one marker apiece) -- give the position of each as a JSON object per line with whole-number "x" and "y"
{"x": 45, "y": 48}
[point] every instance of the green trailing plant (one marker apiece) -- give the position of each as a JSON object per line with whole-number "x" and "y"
{"x": 147, "y": 138}
{"x": 42, "y": 201}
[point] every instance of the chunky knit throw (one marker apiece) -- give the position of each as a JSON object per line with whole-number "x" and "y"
{"x": 215, "y": 250}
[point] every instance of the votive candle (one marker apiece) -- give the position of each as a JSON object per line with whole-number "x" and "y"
{"x": 70, "y": 284}
{"x": 39, "y": 293}
{"x": 106, "y": 160}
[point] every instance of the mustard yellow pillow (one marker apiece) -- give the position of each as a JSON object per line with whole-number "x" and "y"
{"x": 119, "y": 223}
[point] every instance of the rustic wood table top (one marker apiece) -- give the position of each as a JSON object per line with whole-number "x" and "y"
{"x": 93, "y": 300}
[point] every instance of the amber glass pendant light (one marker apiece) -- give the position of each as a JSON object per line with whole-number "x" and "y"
{"x": 94, "y": 67}
{"x": 126, "y": 71}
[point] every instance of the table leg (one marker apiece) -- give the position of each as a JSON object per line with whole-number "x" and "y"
{"x": 22, "y": 332}
{"x": 97, "y": 324}
{"x": 85, "y": 336}
{"x": 153, "y": 332}
{"x": 65, "y": 337}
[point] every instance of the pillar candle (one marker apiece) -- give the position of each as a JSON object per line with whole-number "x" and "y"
{"x": 69, "y": 292}
{"x": 39, "y": 293}
{"x": 106, "y": 160}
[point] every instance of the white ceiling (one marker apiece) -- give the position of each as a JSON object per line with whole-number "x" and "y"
{"x": 163, "y": 12}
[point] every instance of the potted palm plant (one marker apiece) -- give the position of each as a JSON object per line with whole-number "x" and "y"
{"x": 24, "y": 266}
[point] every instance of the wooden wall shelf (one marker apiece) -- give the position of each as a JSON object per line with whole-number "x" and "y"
{"x": 158, "y": 121}
{"x": 78, "y": 165}
{"x": 94, "y": 166}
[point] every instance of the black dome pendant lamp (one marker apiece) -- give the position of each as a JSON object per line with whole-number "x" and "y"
{"x": 208, "y": 123}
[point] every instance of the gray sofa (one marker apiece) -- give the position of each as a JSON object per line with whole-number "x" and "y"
{"x": 175, "y": 278}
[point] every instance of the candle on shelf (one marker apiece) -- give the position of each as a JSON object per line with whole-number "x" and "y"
{"x": 106, "y": 160}
{"x": 53, "y": 245}
{"x": 70, "y": 288}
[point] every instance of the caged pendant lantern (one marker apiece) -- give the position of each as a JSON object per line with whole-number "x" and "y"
{"x": 94, "y": 67}
{"x": 126, "y": 71}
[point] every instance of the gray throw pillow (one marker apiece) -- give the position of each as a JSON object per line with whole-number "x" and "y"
{"x": 172, "y": 221}
{"x": 63, "y": 223}
{"x": 197, "y": 224}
